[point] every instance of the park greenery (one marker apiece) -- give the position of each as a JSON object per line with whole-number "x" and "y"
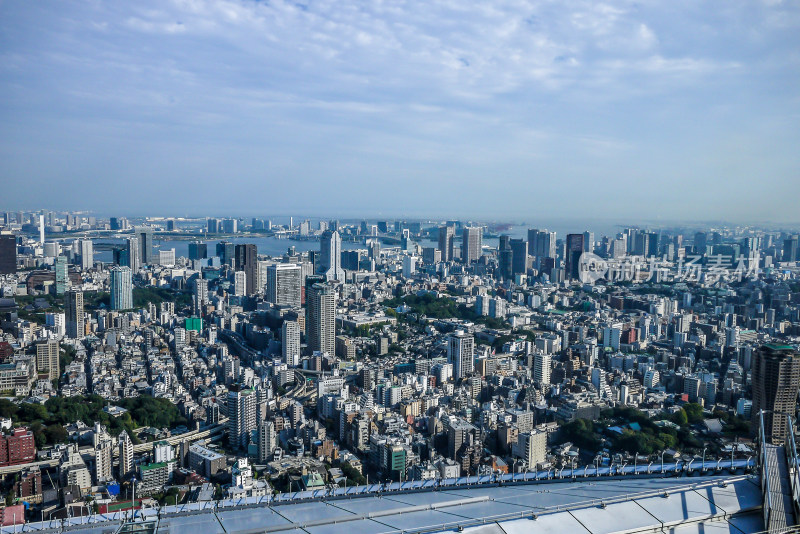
{"x": 626, "y": 429}
{"x": 48, "y": 421}
{"x": 435, "y": 307}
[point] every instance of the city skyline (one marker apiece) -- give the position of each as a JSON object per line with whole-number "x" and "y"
{"x": 576, "y": 110}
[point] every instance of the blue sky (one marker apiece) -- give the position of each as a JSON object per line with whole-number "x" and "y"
{"x": 651, "y": 110}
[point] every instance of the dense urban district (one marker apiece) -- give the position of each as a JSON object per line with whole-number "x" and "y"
{"x": 133, "y": 375}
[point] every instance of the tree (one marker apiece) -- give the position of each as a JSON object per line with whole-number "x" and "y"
{"x": 694, "y": 412}
{"x": 680, "y": 418}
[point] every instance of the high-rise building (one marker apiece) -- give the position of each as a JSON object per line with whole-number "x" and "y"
{"x": 144, "y": 235}
{"x": 198, "y": 250}
{"x": 283, "y": 284}
{"x": 200, "y": 295}
{"x": 131, "y": 255}
{"x": 471, "y": 243}
{"x": 541, "y": 368}
{"x": 572, "y": 259}
{"x": 505, "y": 256}
{"x": 290, "y": 343}
{"x": 330, "y": 264}
{"x": 461, "y": 353}
{"x": 62, "y": 275}
{"x": 226, "y": 252}
{"x": 239, "y": 283}
{"x": 531, "y": 447}
{"x": 541, "y": 244}
{"x": 241, "y": 417}
{"x": 103, "y": 466}
{"x": 247, "y": 260}
{"x": 519, "y": 264}
{"x": 73, "y": 309}
{"x": 588, "y": 241}
{"x": 125, "y": 454}
{"x": 791, "y": 249}
{"x": 47, "y": 359}
{"x": 321, "y": 318}
{"x": 8, "y": 254}
{"x": 86, "y": 251}
{"x": 121, "y": 282}
{"x": 446, "y": 245}
{"x": 267, "y": 441}
{"x": 776, "y": 379}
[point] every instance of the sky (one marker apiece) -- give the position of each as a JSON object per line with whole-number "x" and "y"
{"x": 669, "y": 110}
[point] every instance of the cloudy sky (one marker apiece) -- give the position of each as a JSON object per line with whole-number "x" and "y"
{"x": 657, "y": 110}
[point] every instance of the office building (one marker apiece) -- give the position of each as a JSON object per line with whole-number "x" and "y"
{"x": 47, "y": 359}
{"x": 321, "y": 318}
{"x": 62, "y": 275}
{"x": 121, "y": 282}
{"x": 86, "y": 252}
{"x": 572, "y": 258}
{"x": 283, "y": 284}
{"x": 144, "y": 235}
{"x": 776, "y": 379}
{"x": 247, "y": 260}
{"x": 461, "y": 353}
{"x": 8, "y": 254}
{"x": 519, "y": 261}
{"x": 198, "y": 250}
{"x": 241, "y": 417}
{"x": 446, "y": 245}
{"x": 226, "y": 252}
{"x": 541, "y": 244}
{"x": 330, "y": 264}
{"x": 73, "y": 309}
{"x": 471, "y": 244}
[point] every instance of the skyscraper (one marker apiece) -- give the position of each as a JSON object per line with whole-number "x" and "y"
{"x": 226, "y": 252}
{"x": 471, "y": 243}
{"x": 330, "y": 263}
{"x": 198, "y": 250}
{"x": 121, "y": 282}
{"x": 321, "y": 318}
{"x": 283, "y": 284}
{"x": 505, "y": 256}
{"x": 461, "y": 353}
{"x": 776, "y": 379}
{"x": 241, "y": 417}
{"x": 446, "y": 238}
{"x": 62, "y": 275}
{"x": 541, "y": 244}
{"x": 73, "y": 309}
{"x": 144, "y": 234}
{"x": 290, "y": 343}
{"x": 86, "y": 251}
{"x": 519, "y": 263}
{"x": 8, "y": 254}
{"x": 573, "y": 256}
{"x": 246, "y": 259}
